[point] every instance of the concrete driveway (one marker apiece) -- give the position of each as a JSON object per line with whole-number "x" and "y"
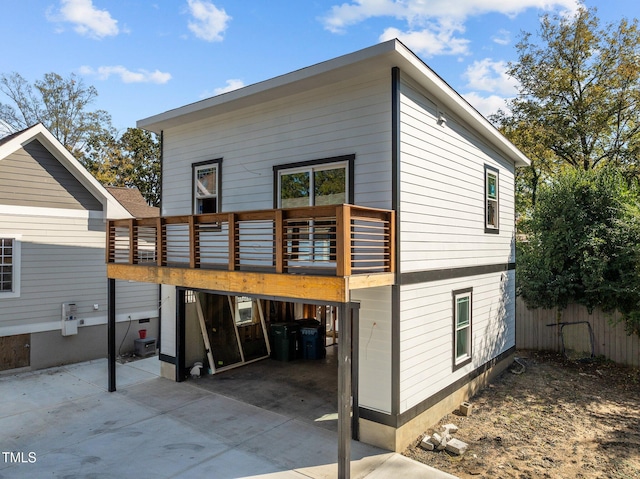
{"x": 61, "y": 422}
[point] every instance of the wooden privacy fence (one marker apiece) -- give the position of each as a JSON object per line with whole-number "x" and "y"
{"x": 609, "y": 336}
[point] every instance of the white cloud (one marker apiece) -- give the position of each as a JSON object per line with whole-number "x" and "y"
{"x": 86, "y": 18}
{"x": 434, "y": 20}
{"x": 490, "y": 76}
{"x": 502, "y": 37}
{"x": 232, "y": 84}
{"x": 429, "y": 43}
{"x": 487, "y": 105}
{"x": 127, "y": 76}
{"x": 209, "y": 22}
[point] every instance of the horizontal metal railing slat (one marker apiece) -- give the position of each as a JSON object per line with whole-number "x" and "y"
{"x": 309, "y": 240}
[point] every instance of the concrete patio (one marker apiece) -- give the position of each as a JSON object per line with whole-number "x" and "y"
{"x": 61, "y": 422}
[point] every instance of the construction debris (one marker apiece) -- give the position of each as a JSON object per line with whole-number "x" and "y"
{"x": 450, "y": 428}
{"x": 426, "y": 443}
{"x": 444, "y": 440}
{"x": 457, "y": 446}
{"x": 465, "y": 409}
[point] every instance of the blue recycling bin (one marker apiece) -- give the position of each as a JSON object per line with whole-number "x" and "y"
{"x": 313, "y": 342}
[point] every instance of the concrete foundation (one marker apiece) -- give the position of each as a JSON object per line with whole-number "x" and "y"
{"x": 398, "y": 439}
{"x": 50, "y": 348}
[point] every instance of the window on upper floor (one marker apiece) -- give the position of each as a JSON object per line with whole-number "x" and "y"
{"x": 206, "y": 187}
{"x": 492, "y": 200}
{"x": 314, "y": 183}
{"x": 9, "y": 266}
{"x": 462, "y": 322}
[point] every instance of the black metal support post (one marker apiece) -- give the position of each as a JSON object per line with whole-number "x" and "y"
{"x": 111, "y": 333}
{"x": 355, "y": 333}
{"x": 180, "y": 335}
{"x": 344, "y": 392}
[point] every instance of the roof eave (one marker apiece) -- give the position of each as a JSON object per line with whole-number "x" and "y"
{"x": 388, "y": 54}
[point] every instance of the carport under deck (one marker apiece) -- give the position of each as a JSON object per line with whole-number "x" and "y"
{"x": 313, "y": 255}
{"x": 303, "y": 389}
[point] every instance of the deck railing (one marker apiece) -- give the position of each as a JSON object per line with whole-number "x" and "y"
{"x": 340, "y": 240}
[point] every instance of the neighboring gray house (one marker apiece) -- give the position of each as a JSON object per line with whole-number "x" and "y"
{"x": 364, "y": 183}
{"x": 52, "y": 259}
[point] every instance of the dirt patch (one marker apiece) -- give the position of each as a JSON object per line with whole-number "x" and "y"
{"x": 558, "y": 419}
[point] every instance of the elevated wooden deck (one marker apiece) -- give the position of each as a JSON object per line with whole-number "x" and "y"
{"x": 314, "y": 253}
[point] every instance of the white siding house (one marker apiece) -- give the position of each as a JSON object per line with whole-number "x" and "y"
{"x": 438, "y": 316}
{"x": 52, "y": 231}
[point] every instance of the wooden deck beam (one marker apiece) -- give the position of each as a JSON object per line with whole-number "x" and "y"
{"x": 330, "y": 289}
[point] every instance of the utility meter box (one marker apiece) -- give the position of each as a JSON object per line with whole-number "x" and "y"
{"x": 69, "y": 319}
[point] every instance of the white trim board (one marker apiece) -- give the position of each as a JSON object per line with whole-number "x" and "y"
{"x": 56, "y": 325}
{"x": 50, "y": 212}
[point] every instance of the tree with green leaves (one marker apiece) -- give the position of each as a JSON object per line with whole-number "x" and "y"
{"x": 583, "y": 245}
{"x": 132, "y": 160}
{"x": 60, "y": 104}
{"x": 579, "y": 96}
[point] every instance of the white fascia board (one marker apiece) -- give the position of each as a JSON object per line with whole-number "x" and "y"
{"x": 388, "y": 54}
{"x": 287, "y": 84}
{"x": 450, "y": 99}
{"x": 38, "y": 132}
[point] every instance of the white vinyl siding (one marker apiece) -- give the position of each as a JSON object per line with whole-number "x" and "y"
{"x": 350, "y": 117}
{"x": 374, "y": 352}
{"x": 63, "y": 260}
{"x": 442, "y": 226}
{"x": 167, "y": 344}
{"x": 442, "y": 192}
{"x": 426, "y": 331}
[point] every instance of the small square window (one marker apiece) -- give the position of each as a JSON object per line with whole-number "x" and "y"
{"x": 206, "y": 185}
{"x": 492, "y": 201}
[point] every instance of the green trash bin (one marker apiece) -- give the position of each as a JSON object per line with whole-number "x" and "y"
{"x": 284, "y": 341}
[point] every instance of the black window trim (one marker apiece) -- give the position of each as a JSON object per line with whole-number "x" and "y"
{"x": 487, "y": 229}
{"x": 218, "y": 162}
{"x": 454, "y": 294}
{"x": 349, "y": 159}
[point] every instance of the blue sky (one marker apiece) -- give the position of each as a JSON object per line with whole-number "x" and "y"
{"x": 146, "y": 57}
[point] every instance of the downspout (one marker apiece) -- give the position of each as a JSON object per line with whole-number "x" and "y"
{"x": 161, "y": 159}
{"x": 395, "y": 205}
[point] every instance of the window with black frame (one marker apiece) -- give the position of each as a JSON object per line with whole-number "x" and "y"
{"x": 314, "y": 183}
{"x": 10, "y": 266}
{"x": 206, "y": 187}
{"x": 462, "y": 322}
{"x": 492, "y": 200}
